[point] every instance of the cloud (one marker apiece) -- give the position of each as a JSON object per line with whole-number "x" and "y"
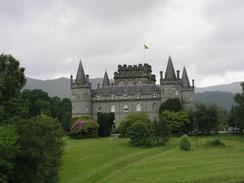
{"x": 49, "y": 37}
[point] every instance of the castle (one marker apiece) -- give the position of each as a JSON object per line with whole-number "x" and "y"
{"x": 134, "y": 89}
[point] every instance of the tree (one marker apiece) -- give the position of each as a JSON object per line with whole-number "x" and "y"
{"x": 173, "y": 105}
{"x": 161, "y": 130}
{"x": 12, "y": 80}
{"x": 40, "y": 148}
{"x": 239, "y": 108}
{"x": 177, "y": 121}
{"x": 105, "y": 121}
{"x": 8, "y": 150}
{"x": 125, "y": 123}
{"x": 206, "y": 117}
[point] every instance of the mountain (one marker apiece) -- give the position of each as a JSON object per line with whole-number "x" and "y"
{"x": 232, "y": 88}
{"x": 222, "y": 95}
{"x": 222, "y": 99}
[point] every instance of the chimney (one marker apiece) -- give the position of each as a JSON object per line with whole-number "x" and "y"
{"x": 193, "y": 83}
{"x": 161, "y": 74}
{"x": 98, "y": 85}
{"x": 178, "y": 74}
{"x": 71, "y": 80}
{"x": 87, "y": 78}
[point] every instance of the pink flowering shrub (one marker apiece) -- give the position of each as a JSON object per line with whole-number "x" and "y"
{"x": 84, "y": 127}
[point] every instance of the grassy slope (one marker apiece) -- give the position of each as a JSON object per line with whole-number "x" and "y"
{"x": 105, "y": 160}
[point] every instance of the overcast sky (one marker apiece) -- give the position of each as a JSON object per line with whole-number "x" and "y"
{"x": 49, "y": 37}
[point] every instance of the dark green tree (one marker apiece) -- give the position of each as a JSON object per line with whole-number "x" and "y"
{"x": 206, "y": 118}
{"x": 12, "y": 80}
{"x": 40, "y": 148}
{"x": 105, "y": 121}
{"x": 172, "y": 104}
{"x": 239, "y": 108}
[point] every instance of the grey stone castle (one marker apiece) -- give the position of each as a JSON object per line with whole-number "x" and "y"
{"x": 134, "y": 89}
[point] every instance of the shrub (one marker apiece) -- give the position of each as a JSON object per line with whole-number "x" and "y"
{"x": 216, "y": 143}
{"x": 172, "y": 105}
{"x": 126, "y": 123}
{"x": 185, "y": 143}
{"x": 141, "y": 134}
{"x": 84, "y": 127}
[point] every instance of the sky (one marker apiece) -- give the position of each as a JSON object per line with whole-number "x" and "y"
{"x": 49, "y": 37}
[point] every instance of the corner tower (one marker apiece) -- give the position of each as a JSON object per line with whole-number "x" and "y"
{"x": 81, "y": 93}
{"x": 171, "y": 84}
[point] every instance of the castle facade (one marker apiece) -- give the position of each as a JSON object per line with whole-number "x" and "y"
{"x": 134, "y": 89}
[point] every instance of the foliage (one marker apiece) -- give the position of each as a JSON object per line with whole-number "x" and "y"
{"x": 84, "y": 127}
{"x": 172, "y": 104}
{"x": 185, "y": 143}
{"x": 206, "y": 117}
{"x": 12, "y": 79}
{"x": 125, "y": 124}
{"x": 177, "y": 121}
{"x": 141, "y": 133}
{"x": 8, "y": 149}
{"x": 38, "y": 102}
{"x": 105, "y": 121}
{"x": 215, "y": 142}
{"x": 161, "y": 130}
{"x": 40, "y": 148}
{"x": 238, "y": 111}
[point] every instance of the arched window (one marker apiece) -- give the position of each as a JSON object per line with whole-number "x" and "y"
{"x": 112, "y": 108}
{"x": 86, "y": 109}
{"x": 125, "y": 108}
{"x": 138, "y": 107}
{"x": 99, "y": 109}
{"x": 154, "y": 107}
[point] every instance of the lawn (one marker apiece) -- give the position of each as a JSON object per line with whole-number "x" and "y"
{"x": 107, "y": 160}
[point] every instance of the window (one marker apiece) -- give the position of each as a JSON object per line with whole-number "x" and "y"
{"x": 138, "y": 95}
{"x": 154, "y": 94}
{"x": 98, "y": 97}
{"x": 138, "y": 107}
{"x": 125, "y": 95}
{"x": 99, "y": 109}
{"x": 154, "y": 107}
{"x": 112, "y": 96}
{"x": 112, "y": 108}
{"x": 126, "y": 108}
{"x": 86, "y": 109}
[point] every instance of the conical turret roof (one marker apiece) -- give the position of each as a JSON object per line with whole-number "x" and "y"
{"x": 185, "y": 79}
{"x": 80, "y": 77}
{"x": 106, "y": 81}
{"x": 170, "y": 71}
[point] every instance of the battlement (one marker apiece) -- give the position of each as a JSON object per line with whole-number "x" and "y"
{"x": 139, "y": 67}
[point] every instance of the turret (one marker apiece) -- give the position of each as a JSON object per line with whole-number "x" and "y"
{"x": 185, "y": 79}
{"x": 106, "y": 81}
{"x": 170, "y": 71}
{"x": 81, "y": 93}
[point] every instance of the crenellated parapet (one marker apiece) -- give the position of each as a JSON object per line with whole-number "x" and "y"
{"x": 133, "y": 74}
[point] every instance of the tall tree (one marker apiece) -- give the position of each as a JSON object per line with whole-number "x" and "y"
{"x": 239, "y": 108}
{"x": 12, "y": 80}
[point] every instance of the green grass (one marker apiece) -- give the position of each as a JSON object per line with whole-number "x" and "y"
{"x": 106, "y": 160}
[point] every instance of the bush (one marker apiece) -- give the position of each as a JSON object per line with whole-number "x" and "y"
{"x": 185, "y": 143}
{"x": 126, "y": 123}
{"x": 40, "y": 148}
{"x": 84, "y": 127}
{"x": 216, "y": 143}
{"x": 172, "y": 105}
{"x": 140, "y": 134}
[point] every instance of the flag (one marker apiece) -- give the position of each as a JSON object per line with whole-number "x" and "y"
{"x": 146, "y": 47}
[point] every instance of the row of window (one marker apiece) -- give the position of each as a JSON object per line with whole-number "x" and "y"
{"x": 138, "y": 95}
{"x": 126, "y": 108}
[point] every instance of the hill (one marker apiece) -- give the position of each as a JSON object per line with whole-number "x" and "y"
{"x": 107, "y": 160}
